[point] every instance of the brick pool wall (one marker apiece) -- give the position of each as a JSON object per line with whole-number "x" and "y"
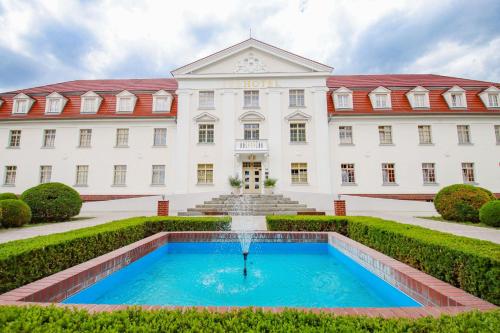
{"x": 437, "y": 297}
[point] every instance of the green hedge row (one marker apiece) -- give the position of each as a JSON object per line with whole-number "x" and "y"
{"x": 470, "y": 264}
{"x": 51, "y": 319}
{"x": 27, "y": 260}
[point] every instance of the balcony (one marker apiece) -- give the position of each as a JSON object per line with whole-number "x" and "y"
{"x": 251, "y": 146}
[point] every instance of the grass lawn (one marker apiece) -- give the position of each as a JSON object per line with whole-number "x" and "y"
{"x": 440, "y": 219}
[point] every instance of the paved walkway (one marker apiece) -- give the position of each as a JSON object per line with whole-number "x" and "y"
{"x": 489, "y": 234}
{"x": 7, "y": 235}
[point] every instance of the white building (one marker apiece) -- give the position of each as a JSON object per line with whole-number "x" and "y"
{"x": 256, "y": 111}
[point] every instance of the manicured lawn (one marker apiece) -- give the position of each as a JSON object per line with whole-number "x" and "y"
{"x": 440, "y": 219}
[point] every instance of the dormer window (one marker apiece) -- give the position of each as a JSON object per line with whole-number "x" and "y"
{"x": 1, "y": 102}
{"x": 125, "y": 102}
{"x": 491, "y": 97}
{"x": 162, "y": 101}
{"x": 342, "y": 99}
{"x": 380, "y": 98}
{"x": 418, "y": 98}
{"x": 54, "y": 103}
{"x": 90, "y": 102}
{"x": 22, "y": 104}
{"x": 455, "y": 98}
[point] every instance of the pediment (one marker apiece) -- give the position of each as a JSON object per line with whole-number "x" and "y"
{"x": 252, "y": 116}
{"x": 205, "y": 117}
{"x": 251, "y": 57}
{"x": 298, "y": 116}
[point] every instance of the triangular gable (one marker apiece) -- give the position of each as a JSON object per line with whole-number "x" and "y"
{"x": 205, "y": 117}
{"x": 250, "y": 57}
{"x": 298, "y": 116}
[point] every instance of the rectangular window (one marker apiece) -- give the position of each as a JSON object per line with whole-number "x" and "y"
{"x": 82, "y": 175}
{"x": 15, "y": 138}
{"x": 419, "y": 100}
{"x": 424, "y": 134}
{"x": 299, "y": 173}
{"x": 10, "y": 175}
{"x": 85, "y": 138}
{"x": 296, "y": 97}
{"x": 120, "y": 175}
{"x": 348, "y": 173}
{"x": 206, "y": 100}
{"x": 205, "y": 173}
{"x": 345, "y": 135}
{"x": 457, "y": 100}
{"x": 251, "y": 98}
{"x": 343, "y": 101}
{"x": 468, "y": 172}
{"x": 497, "y": 133}
{"x": 493, "y": 100}
{"x": 297, "y": 132}
{"x": 161, "y": 103}
{"x": 463, "y": 134}
{"x": 388, "y": 173}
{"x": 45, "y": 173}
{"x": 385, "y": 135}
{"x": 125, "y": 104}
{"x": 160, "y": 137}
{"x": 380, "y": 101}
{"x": 20, "y": 106}
{"x": 158, "y": 177}
{"x": 206, "y": 133}
{"x": 49, "y": 138}
{"x": 122, "y": 137}
{"x": 89, "y": 104}
{"x": 54, "y": 105}
{"x": 251, "y": 131}
{"x": 429, "y": 173}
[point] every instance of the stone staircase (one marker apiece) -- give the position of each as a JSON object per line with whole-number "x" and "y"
{"x": 248, "y": 204}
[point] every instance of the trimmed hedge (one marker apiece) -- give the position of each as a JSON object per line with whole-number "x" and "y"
{"x": 24, "y": 261}
{"x": 7, "y": 195}
{"x": 470, "y": 264}
{"x": 52, "y": 202}
{"x": 52, "y": 319}
{"x": 489, "y": 214}
{"x": 461, "y": 202}
{"x": 14, "y": 213}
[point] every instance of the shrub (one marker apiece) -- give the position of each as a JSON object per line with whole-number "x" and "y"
{"x": 490, "y": 194}
{"x": 27, "y": 260}
{"x": 470, "y": 264}
{"x": 270, "y": 182}
{"x": 7, "y": 195}
{"x": 15, "y": 213}
{"x": 55, "y": 319}
{"x": 461, "y": 202}
{"x": 235, "y": 181}
{"x": 490, "y": 213}
{"x": 52, "y": 202}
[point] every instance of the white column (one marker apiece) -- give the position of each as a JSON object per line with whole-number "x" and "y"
{"x": 275, "y": 119}
{"x": 182, "y": 142}
{"x": 227, "y": 162}
{"x": 322, "y": 144}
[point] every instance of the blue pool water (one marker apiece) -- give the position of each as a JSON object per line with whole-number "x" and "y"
{"x": 211, "y": 274}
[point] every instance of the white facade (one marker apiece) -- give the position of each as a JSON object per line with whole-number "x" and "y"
{"x": 292, "y": 96}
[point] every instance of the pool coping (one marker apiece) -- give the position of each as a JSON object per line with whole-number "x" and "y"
{"x": 436, "y": 296}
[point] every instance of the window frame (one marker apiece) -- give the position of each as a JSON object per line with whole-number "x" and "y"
{"x": 299, "y": 133}
{"x": 160, "y": 137}
{"x": 204, "y": 131}
{"x": 383, "y": 135}
{"x": 497, "y": 133}
{"x": 8, "y": 179}
{"x": 78, "y": 175}
{"x": 119, "y": 175}
{"x": 45, "y": 172}
{"x": 49, "y": 138}
{"x": 344, "y": 130}
{"x": 119, "y": 142}
{"x": 422, "y": 135}
{"x": 253, "y": 95}
{"x": 14, "y": 138}
{"x": 429, "y": 173}
{"x": 81, "y": 142}
{"x": 388, "y": 173}
{"x": 348, "y": 173}
{"x": 253, "y": 131}
{"x": 299, "y": 173}
{"x": 296, "y": 98}
{"x": 158, "y": 175}
{"x": 464, "y": 137}
{"x": 468, "y": 172}
{"x": 206, "y": 99}
{"x": 205, "y": 174}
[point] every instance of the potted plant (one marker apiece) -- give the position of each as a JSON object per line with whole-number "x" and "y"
{"x": 269, "y": 185}
{"x": 235, "y": 183}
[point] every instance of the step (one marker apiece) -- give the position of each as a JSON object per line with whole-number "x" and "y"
{"x": 218, "y": 205}
{"x": 269, "y": 209}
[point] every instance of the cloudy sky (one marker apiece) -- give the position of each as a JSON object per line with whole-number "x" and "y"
{"x": 57, "y": 40}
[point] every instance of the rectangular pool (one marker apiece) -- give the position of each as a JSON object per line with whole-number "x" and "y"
{"x": 211, "y": 274}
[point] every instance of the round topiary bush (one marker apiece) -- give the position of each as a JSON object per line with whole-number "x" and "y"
{"x": 15, "y": 213}
{"x": 52, "y": 202}
{"x": 7, "y": 195}
{"x": 490, "y": 213}
{"x": 461, "y": 202}
{"x": 490, "y": 194}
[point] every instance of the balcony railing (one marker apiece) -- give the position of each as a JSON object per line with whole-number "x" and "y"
{"x": 251, "y": 146}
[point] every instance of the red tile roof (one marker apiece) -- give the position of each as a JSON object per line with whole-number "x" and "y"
{"x": 107, "y": 89}
{"x": 400, "y": 84}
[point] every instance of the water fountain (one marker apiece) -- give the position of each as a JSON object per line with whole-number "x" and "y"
{"x": 245, "y": 239}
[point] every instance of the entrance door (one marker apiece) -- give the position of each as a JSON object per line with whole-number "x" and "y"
{"x": 252, "y": 176}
